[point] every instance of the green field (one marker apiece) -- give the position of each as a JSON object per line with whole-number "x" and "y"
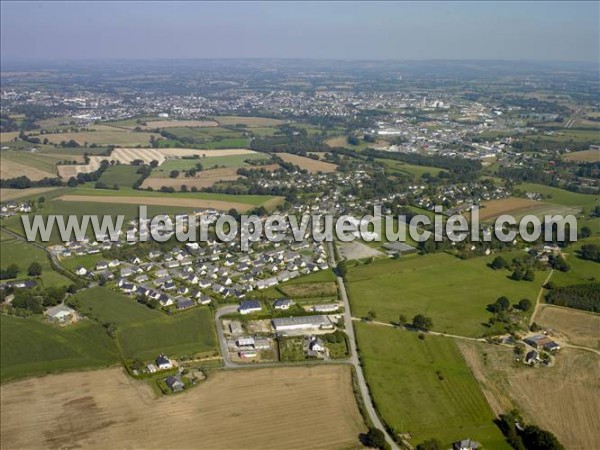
{"x": 87, "y": 261}
{"x": 104, "y": 305}
{"x": 32, "y": 347}
{"x": 582, "y": 271}
{"x": 120, "y": 175}
{"x": 561, "y": 196}
{"x": 393, "y": 166}
{"x": 403, "y": 373}
{"x": 35, "y": 160}
{"x": 453, "y": 292}
{"x": 23, "y": 254}
{"x": 187, "y": 333}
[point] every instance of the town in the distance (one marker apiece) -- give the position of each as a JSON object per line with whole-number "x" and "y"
{"x": 426, "y": 345}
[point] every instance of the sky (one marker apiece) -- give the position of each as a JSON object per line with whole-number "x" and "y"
{"x": 532, "y": 31}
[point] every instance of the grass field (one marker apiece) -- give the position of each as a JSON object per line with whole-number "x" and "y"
{"x": 579, "y": 327}
{"x": 31, "y": 347}
{"x": 233, "y": 161}
{"x": 564, "y": 399}
{"x": 411, "y": 169}
{"x": 104, "y": 136}
{"x": 291, "y": 408}
{"x": 582, "y": 271}
{"x": 104, "y": 305}
{"x": 120, "y": 175}
{"x": 561, "y": 196}
{"x": 203, "y": 179}
{"x": 584, "y": 156}
{"x": 187, "y": 333}
{"x": 248, "y": 121}
{"x": 404, "y": 374}
{"x": 39, "y": 161}
{"x": 23, "y": 254}
{"x": 453, "y": 292}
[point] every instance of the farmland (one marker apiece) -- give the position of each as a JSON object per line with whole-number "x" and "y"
{"x": 583, "y": 156}
{"x": 579, "y": 327}
{"x": 203, "y": 179}
{"x": 12, "y": 169}
{"x": 187, "y": 333}
{"x": 158, "y": 201}
{"x": 14, "y": 194}
{"x": 150, "y": 125}
{"x": 453, "y": 292}
{"x": 564, "y": 399}
{"x": 120, "y": 175}
{"x": 519, "y": 207}
{"x": 411, "y": 169}
{"x": 561, "y": 196}
{"x": 248, "y": 121}
{"x": 23, "y": 254}
{"x": 103, "y": 135}
{"x": 31, "y": 347}
{"x": 309, "y": 164}
{"x": 424, "y": 387}
{"x": 288, "y": 407}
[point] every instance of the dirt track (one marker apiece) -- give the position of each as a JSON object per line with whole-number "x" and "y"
{"x": 280, "y": 408}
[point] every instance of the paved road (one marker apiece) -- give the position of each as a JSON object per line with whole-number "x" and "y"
{"x": 354, "y": 360}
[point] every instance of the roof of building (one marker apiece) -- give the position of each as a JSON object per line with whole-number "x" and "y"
{"x": 301, "y": 320}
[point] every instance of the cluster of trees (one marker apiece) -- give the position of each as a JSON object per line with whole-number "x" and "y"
{"x": 33, "y": 301}
{"x": 530, "y": 437}
{"x": 578, "y": 296}
{"x": 523, "y": 267}
{"x": 502, "y": 304}
{"x": 590, "y": 252}
{"x": 24, "y": 182}
{"x": 34, "y": 270}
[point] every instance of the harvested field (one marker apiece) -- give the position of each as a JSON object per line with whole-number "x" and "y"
{"x": 13, "y": 194}
{"x": 584, "y": 156}
{"x": 178, "y": 123}
{"x": 564, "y": 399}
{"x": 300, "y": 407}
{"x": 248, "y": 121}
{"x": 203, "y": 179}
{"x": 309, "y": 164}
{"x": 8, "y": 136}
{"x": 72, "y": 170}
{"x": 12, "y": 169}
{"x": 579, "y": 327}
{"x": 158, "y": 201}
{"x": 519, "y": 207}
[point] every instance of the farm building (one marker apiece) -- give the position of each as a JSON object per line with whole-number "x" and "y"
{"x": 249, "y": 306}
{"x": 466, "y": 444}
{"x": 60, "y": 313}
{"x": 541, "y": 341}
{"x": 247, "y": 354}
{"x": 262, "y": 343}
{"x": 245, "y": 341}
{"x": 301, "y": 323}
{"x": 235, "y": 327}
{"x": 399, "y": 248}
{"x": 330, "y": 307}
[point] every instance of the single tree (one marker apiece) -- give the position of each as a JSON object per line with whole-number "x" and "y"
{"x": 422, "y": 322}
{"x": 375, "y": 438}
{"x": 34, "y": 269}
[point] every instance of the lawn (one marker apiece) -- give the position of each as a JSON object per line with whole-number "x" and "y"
{"x": 23, "y": 254}
{"x": 87, "y": 261}
{"x": 582, "y": 271}
{"x": 424, "y": 387}
{"x": 120, "y": 175}
{"x": 453, "y": 292}
{"x": 187, "y": 333}
{"x": 33, "y": 347}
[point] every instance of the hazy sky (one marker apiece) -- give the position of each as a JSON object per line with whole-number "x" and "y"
{"x": 348, "y": 30}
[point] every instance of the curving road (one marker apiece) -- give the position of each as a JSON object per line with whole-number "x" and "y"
{"x": 354, "y": 359}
